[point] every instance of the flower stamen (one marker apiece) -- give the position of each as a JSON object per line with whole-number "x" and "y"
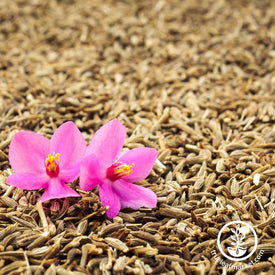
{"x": 124, "y": 169}
{"x": 52, "y": 164}
{"x": 119, "y": 170}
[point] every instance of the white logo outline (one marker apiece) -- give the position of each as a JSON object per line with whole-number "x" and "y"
{"x": 219, "y": 242}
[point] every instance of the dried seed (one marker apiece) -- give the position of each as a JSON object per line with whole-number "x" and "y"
{"x": 144, "y": 235}
{"x": 235, "y": 187}
{"x": 147, "y": 251}
{"x": 107, "y": 230}
{"x": 26, "y": 238}
{"x": 120, "y": 264}
{"x": 173, "y": 212}
{"x": 116, "y": 243}
{"x": 51, "y": 270}
{"x": 202, "y": 246}
{"x": 209, "y": 181}
{"x": 39, "y": 252}
{"x": 220, "y": 167}
{"x": 21, "y": 221}
{"x": 82, "y": 227}
{"x": 37, "y": 242}
{"x": 8, "y": 230}
{"x": 7, "y": 201}
{"x": 17, "y": 266}
{"x": 10, "y": 238}
{"x": 89, "y": 249}
{"x": 269, "y": 172}
{"x": 199, "y": 184}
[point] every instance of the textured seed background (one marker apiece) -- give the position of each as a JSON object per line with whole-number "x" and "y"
{"x": 193, "y": 79}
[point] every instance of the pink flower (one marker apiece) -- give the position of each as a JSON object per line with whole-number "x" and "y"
{"x": 114, "y": 175}
{"x": 42, "y": 163}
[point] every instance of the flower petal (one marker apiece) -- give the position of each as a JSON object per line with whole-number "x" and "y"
{"x": 68, "y": 141}
{"x": 134, "y": 196}
{"x": 143, "y": 159}
{"x": 90, "y": 172}
{"x": 109, "y": 198}
{"x": 56, "y": 189}
{"x": 28, "y": 181}
{"x": 71, "y": 174}
{"x": 28, "y": 151}
{"x": 107, "y": 142}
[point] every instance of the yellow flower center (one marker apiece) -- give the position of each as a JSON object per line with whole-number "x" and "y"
{"x": 51, "y": 164}
{"x": 119, "y": 170}
{"x": 124, "y": 169}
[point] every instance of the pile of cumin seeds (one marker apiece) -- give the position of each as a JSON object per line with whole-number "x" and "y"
{"x": 192, "y": 79}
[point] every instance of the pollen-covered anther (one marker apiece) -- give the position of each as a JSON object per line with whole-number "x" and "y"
{"x": 119, "y": 170}
{"x": 52, "y": 164}
{"x": 124, "y": 170}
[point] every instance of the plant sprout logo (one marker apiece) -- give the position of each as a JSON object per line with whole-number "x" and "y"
{"x": 239, "y": 231}
{"x": 237, "y": 238}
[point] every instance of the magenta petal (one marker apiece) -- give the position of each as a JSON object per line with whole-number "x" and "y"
{"x": 107, "y": 142}
{"x": 134, "y": 196}
{"x": 28, "y": 152}
{"x": 56, "y": 190}
{"x": 109, "y": 198}
{"x": 143, "y": 159}
{"x": 28, "y": 181}
{"x": 71, "y": 174}
{"x": 68, "y": 141}
{"x": 90, "y": 172}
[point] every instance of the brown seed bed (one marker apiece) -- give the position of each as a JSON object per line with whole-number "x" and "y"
{"x": 193, "y": 79}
